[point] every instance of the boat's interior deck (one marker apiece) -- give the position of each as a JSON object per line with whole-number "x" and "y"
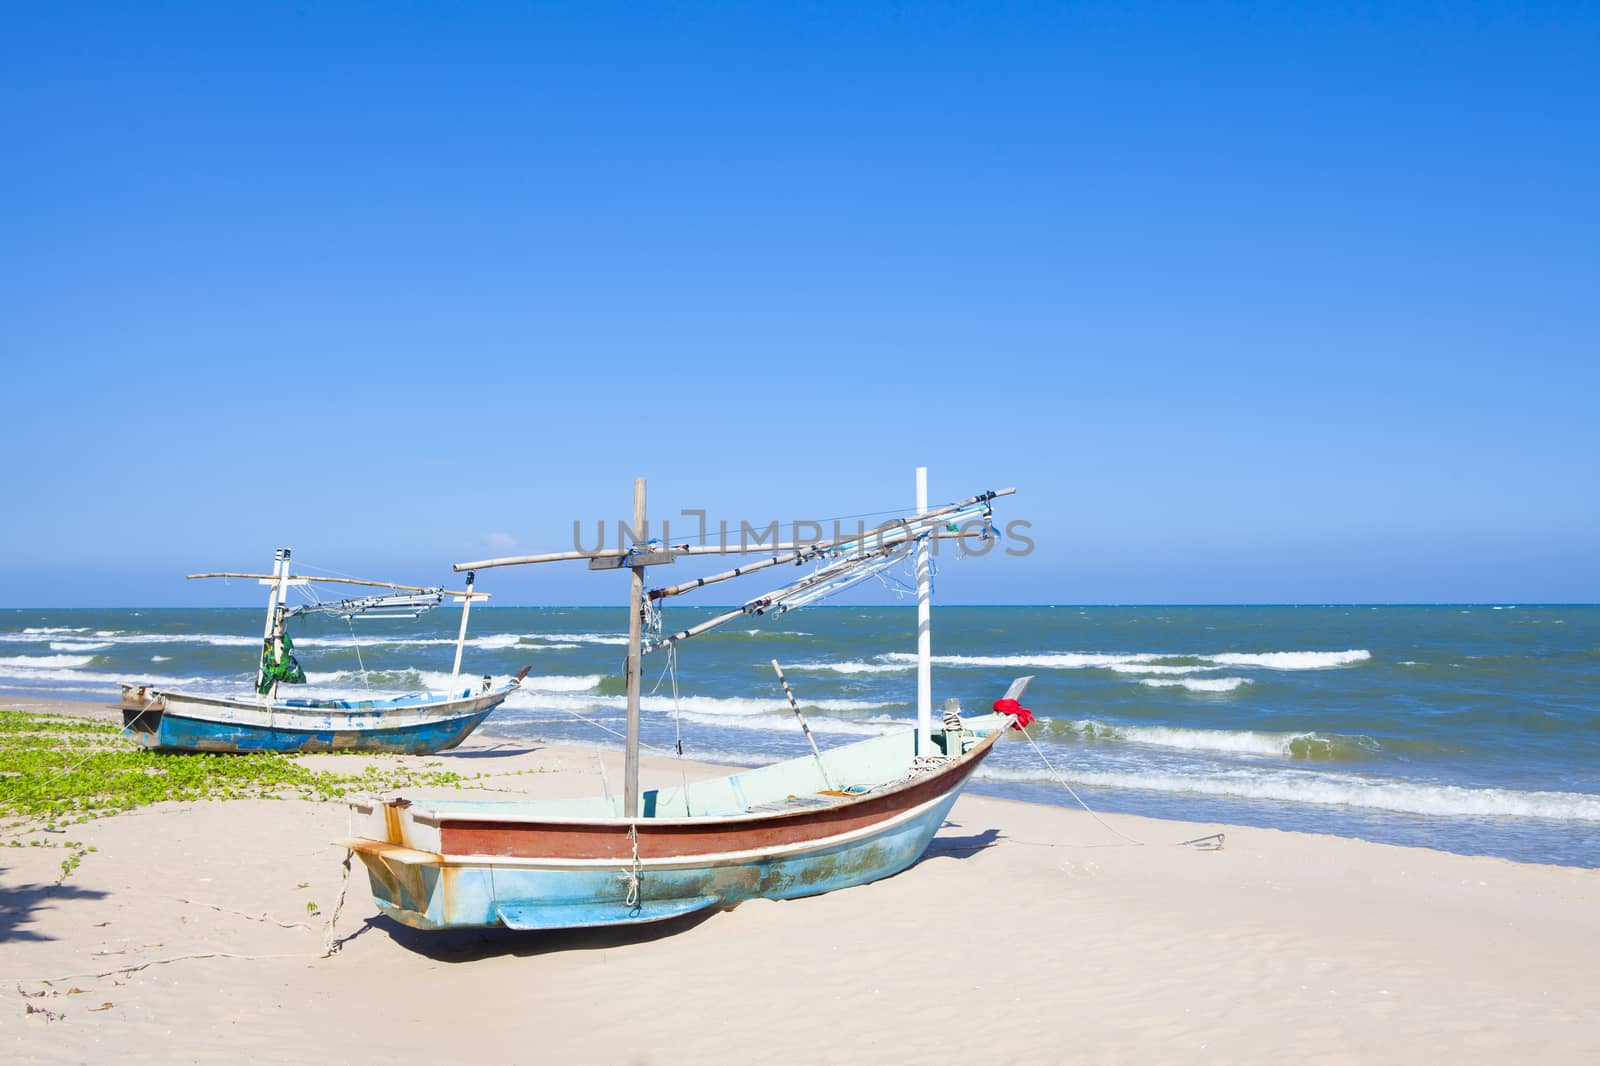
{"x": 793, "y": 784}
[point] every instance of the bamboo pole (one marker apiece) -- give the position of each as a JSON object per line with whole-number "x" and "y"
{"x": 804, "y": 728}
{"x": 461, "y": 636}
{"x": 718, "y": 549}
{"x": 799, "y": 557}
{"x": 275, "y": 576}
{"x": 635, "y": 634}
{"x": 924, "y": 629}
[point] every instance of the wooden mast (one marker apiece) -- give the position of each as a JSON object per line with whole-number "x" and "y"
{"x": 924, "y": 629}
{"x": 635, "y": 637}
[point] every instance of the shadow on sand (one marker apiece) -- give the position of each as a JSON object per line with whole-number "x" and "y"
{"x": 471, "y": 945}
{"x": 19, "y": 905}
{"x": 964, "y": 847}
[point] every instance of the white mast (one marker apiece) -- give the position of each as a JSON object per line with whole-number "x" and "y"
{"x": 924, "y": 629}
{"x": 283, "y": 603}
{"x": 461, "y": 637}
{"x": 278, "y": 569}
{"x": 635, "y": 636}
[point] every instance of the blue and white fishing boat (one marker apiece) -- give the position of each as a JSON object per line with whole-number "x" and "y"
{"x": 417, "y": 723}
{"x": 826, "y": 821}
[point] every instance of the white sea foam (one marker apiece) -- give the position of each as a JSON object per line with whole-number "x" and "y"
{"x": 1338, "y": 790}
{"x": 1046, "y": 660}
{"x": 100, "y": 682}
{"x": 1148, "y": 662}
{"x": 161, "y": 658}
{"x": 1197, "y": 684}
{"x": 854, "y": 667}
{"x": 773, "y": 723}
{"x": 50, "y": 631}
{"x": 1238, "y": 742}
{"x": 43, "y": 662}
{"x": 78, "y": 645}
{"x": 715, "y": 707}
{"x": 1292, "y": 660}
{"x": 578, "y": 638}
{"x": 391, "y": 681}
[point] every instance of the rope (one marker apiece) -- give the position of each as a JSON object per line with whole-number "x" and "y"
{"x": 359, "y": 661}
{"x": 631, "y": 878}
{"x": 1063, "y": 783}
{"x": 613, "y": 732}
{"x": 329, "y": 943}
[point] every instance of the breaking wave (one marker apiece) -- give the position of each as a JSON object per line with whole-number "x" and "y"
{"x": 43, "y": 662}
{"x": 1301, "y": 786}
{"x": 1306, "y": 745}
{"x": 1293, "y": 660}
{"x": 1197, "y": 684}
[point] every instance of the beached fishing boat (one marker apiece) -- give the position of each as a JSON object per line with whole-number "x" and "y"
{"x": 826, "y": 821}
{"x": 167, "y": 720}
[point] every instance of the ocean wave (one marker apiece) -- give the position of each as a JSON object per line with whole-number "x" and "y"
{"x": 715, "y": 706}
{"x": 1197, "y": 684}
{"x": 409, "y": 679}
{"x": 43, "y": 662}
{"x": 1149, "y": 662}
{"x": 578, "y": 638}
{"x": 785, "y": 723}
{"x": 1292, "y": 660}
{"x": 99, "y": 682}
{"x": 1446, "y": 801}
{"x": 854, "y": 667}
{"x": 1158, "y": 668}
{"x": 1045, "y": 660}
{"x": 1305, "y": 745}
{"x": 79, "y": 645}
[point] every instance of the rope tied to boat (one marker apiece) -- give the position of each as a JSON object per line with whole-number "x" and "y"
{"x": 631, "y": 877}
{"x": 1017, "y": 725}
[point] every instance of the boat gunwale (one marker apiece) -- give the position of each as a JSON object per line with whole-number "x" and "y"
{"x": 658, "y": 863}
{"x": 418, "y": 812}
{"x": 244, "y": 703}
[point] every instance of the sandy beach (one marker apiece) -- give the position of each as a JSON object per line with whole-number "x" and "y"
{"x": 1027, "y": 934}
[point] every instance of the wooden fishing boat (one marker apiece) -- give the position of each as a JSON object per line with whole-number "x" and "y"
{"x": 831, "y": 820}
{"x": 416, "y": 723}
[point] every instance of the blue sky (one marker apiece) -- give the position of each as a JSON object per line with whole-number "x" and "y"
{"x": 1276, "y": 303}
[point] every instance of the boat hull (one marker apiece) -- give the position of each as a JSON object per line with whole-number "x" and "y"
{"x": 541, "y": 874}
{"x": 177, "y": 722}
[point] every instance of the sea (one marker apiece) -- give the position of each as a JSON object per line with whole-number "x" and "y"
{"x": 1467, "y": 728}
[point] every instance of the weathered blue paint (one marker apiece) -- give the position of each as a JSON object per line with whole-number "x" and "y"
{"x": 428, "y": 895}
{"x": 420, "y": 723}
{"x": 180, "y": 734}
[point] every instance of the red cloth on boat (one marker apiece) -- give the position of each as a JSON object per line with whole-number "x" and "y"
{"x": 1012, "y": 707}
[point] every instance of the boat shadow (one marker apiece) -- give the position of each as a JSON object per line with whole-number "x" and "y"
{"x": 474, "y": 945}
{"x": 19, "y": 905}
{"x": 958, "y": 847}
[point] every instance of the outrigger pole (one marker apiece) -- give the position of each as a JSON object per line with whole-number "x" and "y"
{"x": 885, "y": 529}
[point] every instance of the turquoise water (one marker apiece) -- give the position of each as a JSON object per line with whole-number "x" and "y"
{"x": 1473, "y": 729}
